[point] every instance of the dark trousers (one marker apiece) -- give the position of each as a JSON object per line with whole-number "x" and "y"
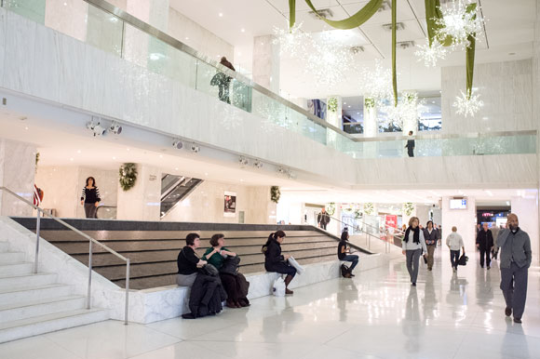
{"x": 351, "y": 258}
{"x": 514, "y": 288}
{"x": 485, "y": 252}
{"x": 454, "y": 258}
{"x": 90, "y": 210}
{"x": 323, "y": 225}
{"x": 410, "y": 151}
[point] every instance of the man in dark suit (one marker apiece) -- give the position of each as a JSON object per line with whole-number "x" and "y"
{"x": 484, "y": 242}
{"x": 410, "y": 145}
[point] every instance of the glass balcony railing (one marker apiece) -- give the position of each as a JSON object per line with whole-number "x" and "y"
{"x": 121, "y": 34}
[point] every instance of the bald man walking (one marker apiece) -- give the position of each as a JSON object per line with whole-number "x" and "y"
{"x": 515, "y": 260}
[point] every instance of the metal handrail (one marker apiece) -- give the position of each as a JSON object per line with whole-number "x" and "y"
{"x": 91, "y": 241}
{"x": 360, "y": 229}
{"x": 179, "y": 45}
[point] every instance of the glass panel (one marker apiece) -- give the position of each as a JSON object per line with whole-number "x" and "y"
{"x": 104, "y": 31}
{"x": 30, "y": 9}
{"x": 205, "y": 75}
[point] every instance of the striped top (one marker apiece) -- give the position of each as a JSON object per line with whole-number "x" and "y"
{"x": 90, "y": 195}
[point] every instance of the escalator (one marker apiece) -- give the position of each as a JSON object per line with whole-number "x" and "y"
{"x": 174, "y": 189}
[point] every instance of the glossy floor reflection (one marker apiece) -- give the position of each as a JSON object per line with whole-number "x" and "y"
{"x": 376, "y": 315}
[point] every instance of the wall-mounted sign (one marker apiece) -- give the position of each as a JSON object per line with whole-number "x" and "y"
{"x": 229, "y": 204}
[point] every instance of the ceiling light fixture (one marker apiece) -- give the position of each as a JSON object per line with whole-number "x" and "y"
{"x": 177, "y": 144}
{"x": 96, "y": 128}
{"x": 115, "y": 128}
{"x": 243, "y": 161}
{"x": 195, "y": 148}
{"x": 458, "y": 23}
{"x": 258, "y": 164}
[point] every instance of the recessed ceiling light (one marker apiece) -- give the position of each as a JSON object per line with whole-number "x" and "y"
{"x": 160, "y": 156}
{"x": 220, "y": 14}
{"x": 71, "y": 159}
{"x": 206, "y": 174}
{"x": 485, "y": 118}
{"x": 26, "y": 127}
{"x": 241, "y": 180}
{"x": 344, "y": 103}
{"x": 243, "y": 30}
{"x": 127, "y": 149}
{"x": 114, "y": 158}
{"x": 349, "y": 106}
{"x": 78, "y": 151}
{"x": 187, "y": 38}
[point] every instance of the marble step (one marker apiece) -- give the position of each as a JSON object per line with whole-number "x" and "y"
{"x": 25, "y": 310}
{"x": 8, "y": 296}
{"x": 11, "y": 258}
{"x": 11, "y": 270}
{"x": 25, "y": 281}
{"x": 4, "y": 247}
{"x": 50, "y": 323}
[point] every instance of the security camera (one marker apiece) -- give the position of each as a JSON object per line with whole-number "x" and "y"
{"x": 177, "y": 144}
{"x": 115, "y": 128}
{"x": 281, "y": 170}
{"x": 258, "y": 164}
{"x": 96, "y": 128}
{"x": 243, "y": 161}
{"x": 195, "y": 148}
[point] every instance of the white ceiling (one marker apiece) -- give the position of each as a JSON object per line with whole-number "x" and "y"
{"x": 509, "y": 30}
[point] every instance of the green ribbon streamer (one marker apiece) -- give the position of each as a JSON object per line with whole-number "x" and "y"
{"x": 434, "y": 13}
{"x": 356, "y": 20}
{"x": 394, "y": 50}
{"x": 292, "y": 13}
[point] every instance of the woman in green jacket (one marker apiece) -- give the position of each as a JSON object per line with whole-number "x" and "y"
{"x": 216, "y": 256}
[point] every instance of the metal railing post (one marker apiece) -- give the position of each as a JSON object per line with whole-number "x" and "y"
{"x": 126, "y": 315}
{"x": 89, "y": 295}
{"x": 38, "y": 229}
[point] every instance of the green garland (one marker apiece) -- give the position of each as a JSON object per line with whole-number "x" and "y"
{"x": 128, "y": 176}
{"x": 275, "y": 194}
{"x": 331, "y": 208}
{"x": 369, "y": 103}
{"x": 369, "y": 208}
{"x": 332, "y": 104}
{"x": 408, "y": 208}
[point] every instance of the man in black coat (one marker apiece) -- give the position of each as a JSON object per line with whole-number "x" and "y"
{"x": 484, "y": 242}
{"x": 323, "y": 219}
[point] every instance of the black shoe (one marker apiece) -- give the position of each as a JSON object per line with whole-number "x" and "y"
{"x": 414, "y": 284}
{"x": 481, "y": 266}
{"x": 508, "y": 311}
{"x": 517, "y": 320}
{"x": 489, "y": 268}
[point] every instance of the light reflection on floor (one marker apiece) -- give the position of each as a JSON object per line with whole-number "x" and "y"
{"x": 376, "y": 315}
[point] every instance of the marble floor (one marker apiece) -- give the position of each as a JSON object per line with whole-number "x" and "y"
{"x": 376, "y": 315}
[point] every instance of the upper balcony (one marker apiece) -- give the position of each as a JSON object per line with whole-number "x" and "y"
{"x": 135, "y": 73}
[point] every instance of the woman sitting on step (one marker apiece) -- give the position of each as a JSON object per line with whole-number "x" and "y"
{"x": 188, "y": 262}
{"x": 226, "y": 262}
{"x": 275, "y": 261}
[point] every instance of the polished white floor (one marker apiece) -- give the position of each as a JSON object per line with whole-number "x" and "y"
{"x": 376, "y": 315}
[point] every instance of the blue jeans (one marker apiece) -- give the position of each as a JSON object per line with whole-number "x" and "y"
{"x": 454, "y": 257}
{"x": 351, "y": 258}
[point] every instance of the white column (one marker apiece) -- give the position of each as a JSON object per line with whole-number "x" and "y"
{"x": 334, "y": 118}
{"x": 527, "y": 211}
{"x": 464, "y": 220}
{"x": 266, "y": 62}
{"x": 410, "y": 122}
{"x": 142, "y": 202}
{"x": 17, "y": 172}
{"x": 536, "y": 105}
{"x": 371, "y": 127}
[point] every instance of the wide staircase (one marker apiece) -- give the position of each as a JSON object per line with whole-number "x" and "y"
{"x": 153, "y": 247}
{"x": 33, "y": 304}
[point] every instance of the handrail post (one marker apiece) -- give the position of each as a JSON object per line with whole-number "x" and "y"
{"x": 126, "y": 315}
{"x": 89, "y": 295}
{"x": 38, "y": 230}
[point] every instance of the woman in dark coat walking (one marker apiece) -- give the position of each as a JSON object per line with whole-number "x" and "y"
{"x": 277, "y": 262}
{"x": 222, "y": 81}
{"x": 90, "y": 198}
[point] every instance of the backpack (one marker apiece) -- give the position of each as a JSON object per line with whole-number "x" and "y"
{"x": 345, "y": 271}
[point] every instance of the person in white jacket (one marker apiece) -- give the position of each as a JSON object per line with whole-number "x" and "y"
{"x": 413, "y": 245}
{"x": 454, "y": 241}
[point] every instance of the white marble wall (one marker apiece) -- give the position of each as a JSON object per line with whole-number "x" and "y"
{"x": 266, "y": 60}
{"x": 464, "y": 220}
{"x": 17, "y": 170}
{"x": 197, "y": 37}
{"x": 514, "y": 171}
{"x": 142, "y": 202}
{"x": 68, "y": 17}
{"x": 506, "y": 88}
{"x": 63, "y": 187}
{"x": 205, "y": 204}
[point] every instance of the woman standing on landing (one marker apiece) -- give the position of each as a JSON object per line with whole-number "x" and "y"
{"x": 90, "y": 198}
{"x": 413, "y": 246}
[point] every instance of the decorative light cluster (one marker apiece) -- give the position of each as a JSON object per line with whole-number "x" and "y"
{"x": 377, "y": 84}
{"x": 431, "y": 54}
{"x": 458, "y": 23}
{"x": 325, "y": 60}
{"x": 406, "y": 109}
{"x": 468, "y": 105}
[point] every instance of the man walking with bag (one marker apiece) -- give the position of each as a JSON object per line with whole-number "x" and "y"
{"x": 515, "y": 260}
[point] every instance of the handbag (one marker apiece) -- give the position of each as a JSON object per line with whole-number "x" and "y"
{"x": 296, "y": 265}
{"x": 209, "y": 270}
{"x": 230, "y": 265}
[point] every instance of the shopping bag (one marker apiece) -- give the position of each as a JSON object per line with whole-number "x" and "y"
{"x": 295, "y": 264}
{"x": 278, "y": 288}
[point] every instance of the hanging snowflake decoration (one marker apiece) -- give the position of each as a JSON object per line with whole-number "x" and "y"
{"x": 406, "y": 110}
{"x": 458, "y": 23}
{"x": 468, "y": 105}
{"x": 431, "y": 54}
{"x": 377, "y": 84}
{"x": 292, "y": 42}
